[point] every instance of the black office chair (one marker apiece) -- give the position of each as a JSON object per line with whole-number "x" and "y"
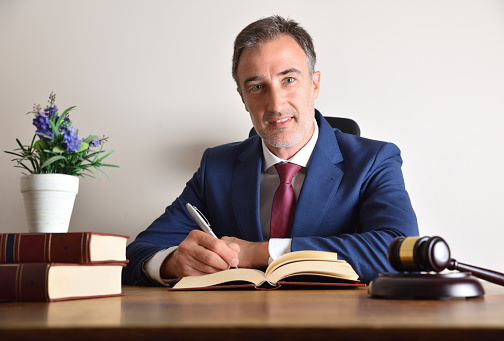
{"x": 346, "y": 125}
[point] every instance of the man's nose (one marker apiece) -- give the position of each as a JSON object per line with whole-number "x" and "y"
{"x": 276, "y": 100}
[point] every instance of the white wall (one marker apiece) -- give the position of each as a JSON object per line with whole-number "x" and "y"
{"x": 154, "y": 76}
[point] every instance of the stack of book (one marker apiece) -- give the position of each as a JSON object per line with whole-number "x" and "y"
{"x": 61, "y": 266}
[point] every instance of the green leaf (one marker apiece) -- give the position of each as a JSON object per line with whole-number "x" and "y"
{"x": 58, "y": 150}
{"x": 101, "y": 171}
{"x": 52, "y": 160}
{"x": 19, "y": 143}
{"x": 108, "y": 165}
{"x": 40, "y": 145}
{"x": 90, "y": 138}
{"x": 44, "y": 135}
{"x": 84, "y": 146}
{"x": 54, "y": 125}
{"x": 106, "y": 155}
{"x": 16, "y": 154}
{"x": 66, "y": 111}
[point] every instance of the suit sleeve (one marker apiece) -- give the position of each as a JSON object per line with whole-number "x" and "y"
{"x": 170, "y": 229}
{"x": 382, "y": 212}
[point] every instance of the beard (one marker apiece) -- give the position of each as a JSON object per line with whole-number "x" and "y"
{"x": 283, "y": 137}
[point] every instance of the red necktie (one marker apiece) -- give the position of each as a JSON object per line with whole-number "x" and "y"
{"x": 284, "y": 201}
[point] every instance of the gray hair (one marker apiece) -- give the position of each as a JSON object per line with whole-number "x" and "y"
{"x": 270, "y": 28}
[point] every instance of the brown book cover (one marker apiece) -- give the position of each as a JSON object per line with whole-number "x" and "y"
{"x": 72, "y": 247}
{"x": 294, "y": 270}
{"x": 59, "y": 281}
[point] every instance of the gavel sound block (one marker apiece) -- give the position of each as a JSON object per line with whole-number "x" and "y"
{"x": 416, "y": 258}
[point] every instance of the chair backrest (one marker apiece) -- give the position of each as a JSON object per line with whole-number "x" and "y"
{"x": 346, "y": 125}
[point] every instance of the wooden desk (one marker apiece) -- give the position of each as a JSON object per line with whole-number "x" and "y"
{"x": 154, "y": 313}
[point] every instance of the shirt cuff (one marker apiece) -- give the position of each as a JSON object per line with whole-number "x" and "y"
{"x": 278, "y": 247}
{"x": 152, "y": 266}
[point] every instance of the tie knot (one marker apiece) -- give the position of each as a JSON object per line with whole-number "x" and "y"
{"x": 286, "y": 171}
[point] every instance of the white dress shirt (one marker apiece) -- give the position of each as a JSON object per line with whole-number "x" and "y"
{"x": 269, "y": 181}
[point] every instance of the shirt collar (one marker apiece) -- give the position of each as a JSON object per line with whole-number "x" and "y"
{"x": 301, "y": 158}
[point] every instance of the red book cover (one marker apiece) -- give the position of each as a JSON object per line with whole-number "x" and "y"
{"x": 73, "y": 247}
{"x": 59, "y": 281}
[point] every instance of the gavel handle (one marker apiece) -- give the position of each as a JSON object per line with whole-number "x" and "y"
{"x": 488, "y": 275}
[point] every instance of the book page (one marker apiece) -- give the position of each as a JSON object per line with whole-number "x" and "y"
{"x": 108, "y": 248}
{"x": 247, "y": 275}
{"x": 83, "y": 280}
{"x": 300, "y": 256}
{"x": 340, "y": 269}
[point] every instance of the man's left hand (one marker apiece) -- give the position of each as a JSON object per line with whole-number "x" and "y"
{"x": 252, "y": 254}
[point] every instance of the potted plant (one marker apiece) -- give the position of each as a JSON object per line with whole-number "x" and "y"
{"x": 52, "y": 165}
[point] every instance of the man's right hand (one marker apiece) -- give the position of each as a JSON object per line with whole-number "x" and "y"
{"x": 200, "y": 254}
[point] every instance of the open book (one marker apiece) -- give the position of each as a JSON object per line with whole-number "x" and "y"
{"x": 299, "y": 269}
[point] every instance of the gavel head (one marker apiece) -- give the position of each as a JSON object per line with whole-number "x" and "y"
{"x": 419, "y": 254}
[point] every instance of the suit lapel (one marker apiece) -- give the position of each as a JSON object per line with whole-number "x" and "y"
{"x": 321, "y": 182}
{"x": 245, "y": 191}
{"x": 320, "y": 185}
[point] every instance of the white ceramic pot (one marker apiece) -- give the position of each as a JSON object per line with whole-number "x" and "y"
{"x": 49, "y": 201}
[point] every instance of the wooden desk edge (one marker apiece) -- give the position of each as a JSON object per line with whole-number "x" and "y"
{"x": 244, "y": 334}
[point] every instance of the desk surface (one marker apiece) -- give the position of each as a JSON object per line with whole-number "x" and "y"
{"x": 255, "y": 315}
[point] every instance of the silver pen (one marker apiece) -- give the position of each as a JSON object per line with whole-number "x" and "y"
{"x": 200, "y": 219}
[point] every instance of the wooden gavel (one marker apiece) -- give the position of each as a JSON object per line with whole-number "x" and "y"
{"x": 432, "y": 254}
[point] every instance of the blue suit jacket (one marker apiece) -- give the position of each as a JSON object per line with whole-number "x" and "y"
{"x": 353, "y": 202}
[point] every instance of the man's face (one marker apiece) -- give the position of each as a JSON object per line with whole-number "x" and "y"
{"x": 278, "y": 92}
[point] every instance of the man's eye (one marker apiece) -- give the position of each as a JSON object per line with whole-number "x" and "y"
{"x": 256, "y": 87}
{"x": 289, "y": 80}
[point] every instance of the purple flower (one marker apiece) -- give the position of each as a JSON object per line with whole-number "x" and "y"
{"x": 95, "y": 143}
{"x": 49, "y": 111}
{"x": 43, "y": 126}
{"x": 42, "y": 123}
{"x": 72, "y": 140}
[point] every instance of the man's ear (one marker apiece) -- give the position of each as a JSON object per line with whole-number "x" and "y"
{"x": 241, "y": 96}
{"x": 316, "y": 84}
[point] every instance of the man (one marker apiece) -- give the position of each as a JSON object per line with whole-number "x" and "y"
{"x": 349, "y": 191}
